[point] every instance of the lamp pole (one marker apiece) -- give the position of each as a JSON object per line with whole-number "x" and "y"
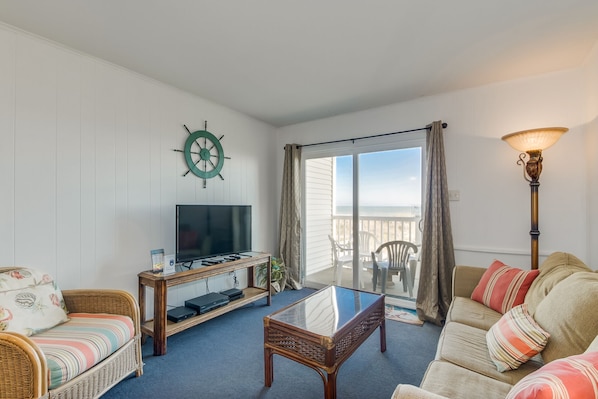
{"x": 533, "y": 168}
{"x": 534, "y": 232}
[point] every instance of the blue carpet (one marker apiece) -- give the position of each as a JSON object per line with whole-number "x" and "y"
{"x": 224, "y": 358}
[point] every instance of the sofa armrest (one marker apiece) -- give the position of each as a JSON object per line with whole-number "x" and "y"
{"x": 465, "y": 279}
{"x": 404, "y": 391}
{"x": 25, "y": 373}
{"x": 103, "y": 301}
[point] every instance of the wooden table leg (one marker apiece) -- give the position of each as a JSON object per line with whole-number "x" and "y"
{"x": 330, "y": 388}
{"x": 142, "y": 309}
{"x": 160, "y": 318}
{"x": 268, "y": 367}
{"x": 383, "y": 334}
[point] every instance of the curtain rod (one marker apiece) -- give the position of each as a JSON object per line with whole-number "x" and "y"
{"x": 428, "y": 127}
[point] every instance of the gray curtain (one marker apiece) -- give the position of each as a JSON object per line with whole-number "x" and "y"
{"x": 290, "y": 216}
{"x": 437, "y": 258}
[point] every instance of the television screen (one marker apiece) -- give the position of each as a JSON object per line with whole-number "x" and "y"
{"x": 203, "y": 231}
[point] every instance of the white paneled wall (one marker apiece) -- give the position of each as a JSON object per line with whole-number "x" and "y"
{"x": 89, "y": 176}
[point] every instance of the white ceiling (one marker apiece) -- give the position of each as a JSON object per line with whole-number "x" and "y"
{"x": 289, "y": 61}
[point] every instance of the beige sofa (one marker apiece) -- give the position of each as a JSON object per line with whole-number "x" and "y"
{"x": 563, "y": 300}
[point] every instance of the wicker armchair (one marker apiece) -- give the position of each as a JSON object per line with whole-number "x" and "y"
{"x": 23, "y": 370}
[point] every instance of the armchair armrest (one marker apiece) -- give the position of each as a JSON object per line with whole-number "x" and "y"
{"x": 404, "y": 391}
{"x": 465, "y": 279}
{"x": 103, "y": 301}
{"x": 26, "y": 377}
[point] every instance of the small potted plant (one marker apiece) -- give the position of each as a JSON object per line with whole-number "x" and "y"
{"x": 277, "y": 277}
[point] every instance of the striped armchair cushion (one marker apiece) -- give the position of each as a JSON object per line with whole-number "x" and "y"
{"x": 81, "y": 343}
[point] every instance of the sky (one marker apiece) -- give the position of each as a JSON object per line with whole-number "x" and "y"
{"x": 386, "y": 178}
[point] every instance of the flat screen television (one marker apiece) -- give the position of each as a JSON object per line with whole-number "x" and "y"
{"x": 204, "y": 231}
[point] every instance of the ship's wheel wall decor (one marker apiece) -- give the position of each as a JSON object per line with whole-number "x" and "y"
{"x": 204, "y": 154}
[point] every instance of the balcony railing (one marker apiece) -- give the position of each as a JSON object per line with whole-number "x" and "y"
{"x": 384, "y": 228}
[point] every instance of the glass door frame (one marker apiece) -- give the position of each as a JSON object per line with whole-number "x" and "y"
{"x": 400, "y": 141}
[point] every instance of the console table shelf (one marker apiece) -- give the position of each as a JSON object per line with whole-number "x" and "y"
{"x": 160, "y": 327}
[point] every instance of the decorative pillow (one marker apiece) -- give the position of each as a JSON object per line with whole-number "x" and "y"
{"x": 570, "y": 313}
{"x": 514, "y": 339}
{"x": 556, "y": 267}
{"x": 570, "y": 377}
{"x": 502, "y": 287}
{"x": 30, "y": 302}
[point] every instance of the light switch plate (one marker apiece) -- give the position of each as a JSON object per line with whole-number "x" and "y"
{"x": 454, "y": 195}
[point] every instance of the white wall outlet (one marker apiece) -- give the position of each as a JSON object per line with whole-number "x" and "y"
{"x": 454, "y": 195}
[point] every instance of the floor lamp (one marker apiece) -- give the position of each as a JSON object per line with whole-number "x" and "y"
{"x": 531, "y": 143}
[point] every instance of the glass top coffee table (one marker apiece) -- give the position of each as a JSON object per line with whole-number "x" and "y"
{"x": 323, "y": 330}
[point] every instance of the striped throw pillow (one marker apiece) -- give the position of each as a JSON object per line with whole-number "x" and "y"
{"x": 569, "y": 377}
{"x": 514, "y": 339}
{"x": 502, "y": 287}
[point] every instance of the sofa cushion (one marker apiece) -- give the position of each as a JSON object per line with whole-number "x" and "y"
{"x": 467, "y": 311}
{"x": 465, "y": 346}
{"x": 570, "y": 314}
{"x": 81, "y": 343}
{"x": 502, "y": 287}
{"x": 557, "y": 267}
{"x": 30, "y": 302}
{"x": 515, "y": 339}
{"x": 451, "y": 381}
{"x": 570, "y": 377}
{"x": 406, "y": 391}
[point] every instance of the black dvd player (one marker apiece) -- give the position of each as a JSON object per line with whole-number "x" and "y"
{"x": 205, "y": 303}
{"x": 180, "y": 313}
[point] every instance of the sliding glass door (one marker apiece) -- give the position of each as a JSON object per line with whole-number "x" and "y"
{"x": 355, "y": 202}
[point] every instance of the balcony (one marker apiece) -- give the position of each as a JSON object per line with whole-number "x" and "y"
{"x": 383, "y": 229}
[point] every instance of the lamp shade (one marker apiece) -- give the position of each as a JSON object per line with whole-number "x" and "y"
{"x": 534, "y": 139}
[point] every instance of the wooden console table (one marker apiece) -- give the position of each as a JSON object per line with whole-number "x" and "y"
{"x": 160, "y": 327}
